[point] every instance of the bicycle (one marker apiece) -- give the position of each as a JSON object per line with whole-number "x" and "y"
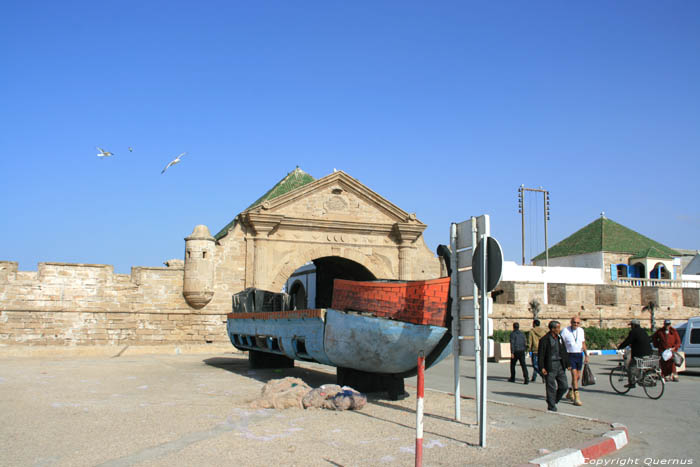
{"x": 647, "y": 374}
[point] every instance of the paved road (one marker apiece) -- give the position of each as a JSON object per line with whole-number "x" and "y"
{"x": 667, "y": 428}
{"x": 194, "y": 410}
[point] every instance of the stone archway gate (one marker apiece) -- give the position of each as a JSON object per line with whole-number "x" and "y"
{"x": 335, "y": 216}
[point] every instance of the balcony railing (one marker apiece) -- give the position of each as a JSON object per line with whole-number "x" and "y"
{"x": 667, "y": 283}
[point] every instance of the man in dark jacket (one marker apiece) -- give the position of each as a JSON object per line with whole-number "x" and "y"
{"x": 554, "y": 361}
{"x": 518, "y": 345}
{"x": 639, "y": 341}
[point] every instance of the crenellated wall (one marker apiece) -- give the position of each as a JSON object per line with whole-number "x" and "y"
{"x": 87, "y": 304}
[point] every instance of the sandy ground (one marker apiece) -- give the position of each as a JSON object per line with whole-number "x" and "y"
{"x": 152, "y": 410}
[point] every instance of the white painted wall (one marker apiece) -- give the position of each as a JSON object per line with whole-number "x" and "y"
{"x": 586, "y": 260}
{"x": 552, "y": 274}
{"x": 691, "y": 281}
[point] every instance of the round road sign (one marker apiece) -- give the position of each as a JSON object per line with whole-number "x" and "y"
{"x": 494, "y": 263}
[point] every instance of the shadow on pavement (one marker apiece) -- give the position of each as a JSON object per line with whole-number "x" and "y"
{"x": 410, "y": 410}
{"x": 239, "y": 365}
{"x": 520, "y": 394}
{"x": 413, "y": 427}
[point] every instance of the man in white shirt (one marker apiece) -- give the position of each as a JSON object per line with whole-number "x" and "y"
{"x": 575, "y": 341}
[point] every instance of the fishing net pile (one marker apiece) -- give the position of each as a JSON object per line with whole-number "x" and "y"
{"x": 292, "y": 392}
{"x": 282, "y": 393}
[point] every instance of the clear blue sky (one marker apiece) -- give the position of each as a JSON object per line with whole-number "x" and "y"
{"x": 444, "y": 108}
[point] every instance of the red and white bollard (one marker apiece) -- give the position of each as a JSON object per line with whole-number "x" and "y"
{"x": 419, "y": 410}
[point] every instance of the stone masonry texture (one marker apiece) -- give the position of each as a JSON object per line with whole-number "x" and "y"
{"x": 63, "y": 304}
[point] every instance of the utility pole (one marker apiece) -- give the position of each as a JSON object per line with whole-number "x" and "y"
{"x": 546, "y": 220}
{"x": 521, "y": 210}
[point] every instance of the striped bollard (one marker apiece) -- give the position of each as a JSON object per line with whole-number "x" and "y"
{"x": 419, "y": 410}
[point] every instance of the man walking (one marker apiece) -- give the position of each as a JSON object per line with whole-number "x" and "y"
{"x": 518, "y": 345}
{"x": 533, "y": 340}
{"x": 575, "y": 340}
{"x": 553, "y": 361}
{"x": 639, "y": 341}
{"x": 667, "y": 338}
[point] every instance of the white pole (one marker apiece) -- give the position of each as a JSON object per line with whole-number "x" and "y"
{"x": 419, "y": 409}
{"x": 477, "y": 343}
{"x": 455, "y": 319}
{"x": 484, "y": 341}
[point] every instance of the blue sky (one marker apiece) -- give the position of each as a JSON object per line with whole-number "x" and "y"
{"x": 444, "y": 108}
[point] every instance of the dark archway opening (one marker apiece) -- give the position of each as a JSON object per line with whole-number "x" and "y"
{"x": 637, "y": 270}
{"x": 330, "y": 268}
{"x": 659, "y": 272}
{"x": 298, "y": 296}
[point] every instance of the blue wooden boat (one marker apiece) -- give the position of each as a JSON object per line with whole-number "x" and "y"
{"x": 337, "y": 338}
{"x": 373, "y": 348}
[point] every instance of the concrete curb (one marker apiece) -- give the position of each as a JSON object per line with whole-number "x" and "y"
{"x": 609, "y": 442}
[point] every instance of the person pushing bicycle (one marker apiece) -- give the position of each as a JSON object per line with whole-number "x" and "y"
{"x": 640, "y": 342}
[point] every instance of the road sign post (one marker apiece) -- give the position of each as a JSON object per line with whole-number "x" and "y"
{"x": 476, "y": 267}
{"x": 487, "y": 270}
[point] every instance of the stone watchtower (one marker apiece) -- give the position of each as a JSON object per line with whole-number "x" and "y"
{"x": 198, "y": 287}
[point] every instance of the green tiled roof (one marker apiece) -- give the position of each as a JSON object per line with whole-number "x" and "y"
{"x": 651, "y": 252}
{"x": 606, "y": 235}
{"x": 293, "y": 180}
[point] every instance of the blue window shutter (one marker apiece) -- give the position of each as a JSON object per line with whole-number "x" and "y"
{"x": 613, "y": 272}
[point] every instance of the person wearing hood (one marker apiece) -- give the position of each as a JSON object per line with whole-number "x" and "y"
{"x": 667, "y": 338}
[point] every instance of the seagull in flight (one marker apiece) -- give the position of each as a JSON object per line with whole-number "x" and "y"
{"x": 131, "y": 149}
{"x": 173, "y": 162}
{"x": 103, "y": 153}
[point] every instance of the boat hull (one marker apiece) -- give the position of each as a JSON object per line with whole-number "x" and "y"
{"x": 337, "y": 338}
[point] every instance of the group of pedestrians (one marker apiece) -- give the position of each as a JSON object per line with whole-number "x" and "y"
{"x": 554, "y": 350}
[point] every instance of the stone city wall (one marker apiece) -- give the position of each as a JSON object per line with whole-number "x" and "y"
{"x": 87, "y": 304}
{"x": 607, "y": 306}
{"x": 81, "y": 305}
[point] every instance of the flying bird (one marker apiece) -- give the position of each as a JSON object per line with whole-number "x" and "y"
{"x": 131, "y": 149}
{"x": 173, "y": 162}
{"x": 103, "y": 153}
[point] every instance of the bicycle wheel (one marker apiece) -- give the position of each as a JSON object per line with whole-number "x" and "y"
{"x": 653, "y": 384}
{"x": 618, "y": 379}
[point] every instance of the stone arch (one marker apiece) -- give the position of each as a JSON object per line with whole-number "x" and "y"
{"x": 300, "y": 256}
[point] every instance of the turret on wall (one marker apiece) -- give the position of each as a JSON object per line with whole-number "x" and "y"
{"x": 198, "y": 287}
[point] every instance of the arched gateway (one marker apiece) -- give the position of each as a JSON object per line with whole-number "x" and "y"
{"x": 336, "y": 222}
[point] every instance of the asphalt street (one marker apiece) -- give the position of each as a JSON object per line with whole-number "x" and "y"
{"x": 667, "y": 428}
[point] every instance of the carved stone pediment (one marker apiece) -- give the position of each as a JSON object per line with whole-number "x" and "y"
{"x": 336, "y": 202}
